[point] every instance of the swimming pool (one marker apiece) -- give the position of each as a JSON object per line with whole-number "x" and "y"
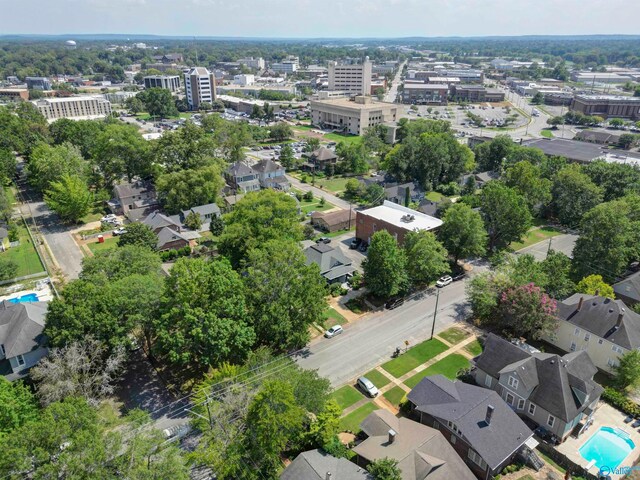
{"x": 28, "y": 298}
{"x": 607, "y": 447}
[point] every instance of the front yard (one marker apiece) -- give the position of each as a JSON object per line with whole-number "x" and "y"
{"x": 535, "y": 235}
{"x": 449, "y": 366}
{"x": 421, "y": 353}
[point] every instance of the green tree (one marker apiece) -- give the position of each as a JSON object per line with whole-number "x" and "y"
{"x": 8, "y": 165}
{"x": 8, "y": 269}
{"x": 385, "y": 469}
{"x": 574, "y": 194}
{"x": 158, "y": 102}
{"x": 22, "y": 127}
{"x": 48, "y": 164}
{"x": 326, "y": 425}
{"x": 134, "y": 104}
{"x": 190, "y": 147}
{"x": 81, "y": 133}
{"x": 615, "y": 179}
{"x": 557, "y": 270}
{"x": 463, "y": 233}
{"x": 257, "y": 218}
{"x": 216, "y": 225}
{"x": 69, "y": 198}
{"x": 428, "y": 257}
{"x": 538, "y": 99}
{"x": 203, "y": 317}
{"x": 385, "y": 266}
{"x": 627, "y": 373}
{"x": 527, "y": 180}
{"x": 138, "y": 234}
{"x": 313, "y": 143}
{"x": 285, "y": 296}
{"x": 490, "y": 155}
{"x": 627, "y": 140}
{"x": 280, "y": 132}
{"x": 595, "y": 285}
{"x": 18, "y": 406}
{"x": 353, "y": 157}
{"x": 185, "y": 189}
{"x": 505, "y": 213}
{"x": 120, "y": 151}
{"x": 287, "y": 158}
{"x": 193, "y": 221}
{"x": 555, "y": 121}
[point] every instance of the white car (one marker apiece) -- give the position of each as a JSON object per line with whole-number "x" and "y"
{"x": 367, "y": 387}
{"x": 119, "y": 231}
{"x": 109, "y": 218}
{"x": 333, "y": 331}
{"x": 444, "y": 281}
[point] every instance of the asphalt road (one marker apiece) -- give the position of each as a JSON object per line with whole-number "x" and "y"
{"x": 560, "y": 243}
{"x": 391, "y": 95}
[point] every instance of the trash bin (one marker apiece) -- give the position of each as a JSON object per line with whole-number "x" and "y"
{"x": 100, "y": 239}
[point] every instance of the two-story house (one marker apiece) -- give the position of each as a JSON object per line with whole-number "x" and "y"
{"x": 555, "y": 392}
{"x": 481, "y": 428}
{"x": 135, "y": 200}
{"x": 271, "y": 175}
{"x": 242, "y": 178}
{"x": 604, "y": 328}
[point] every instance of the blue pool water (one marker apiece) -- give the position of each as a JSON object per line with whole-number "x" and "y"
{"x": 608, "y": 447}
{"x": 31, "y": 297}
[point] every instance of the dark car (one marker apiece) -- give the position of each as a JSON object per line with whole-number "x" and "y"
{"x": 458, "y": 276}
{"x": 355, "y": 243}
{"x": 363, "y": 247}
{"x": 323, "y": 240}
{"x": 394, "y": 303}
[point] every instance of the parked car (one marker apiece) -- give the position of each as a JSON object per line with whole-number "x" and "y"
{"x": 333, "y": 331}
{"x": 444, "y": 281}
{"x": 109, "y": 218}
{"x": 367, "y": 387}
{"x": 458, "y": 276}
{"x": 355, "y": 243}
{"x": 323, "y": 240}
{"x": 119, "y": 231}
{"x": 394, "y": 303}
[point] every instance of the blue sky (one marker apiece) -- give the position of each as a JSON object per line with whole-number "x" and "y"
{"x": 321, "y": 18}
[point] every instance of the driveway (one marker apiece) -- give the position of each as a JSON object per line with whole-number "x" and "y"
{"x": 560, "y": 243}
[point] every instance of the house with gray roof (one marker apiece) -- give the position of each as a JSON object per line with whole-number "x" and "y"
{"x": 334, "y": 265}
{"x": 22, "y": 342}
{"x": 205, "y": 212}
{"x": 628, "y": 290}
{"x": 156, "y": 221}
{"x": 486, "y": 433}
{"x": 169, "y": 239}
{"x": 242, "y": 178}
{"x": 556, "y": 392}
{"x": 605, "y": 329}
{"x": 319, "y": 465}
{"x": 271, "y": 175}
{"x": 397, "y": 193}
{"x": 135, "y": 200}
{"x": 422, "y": 452}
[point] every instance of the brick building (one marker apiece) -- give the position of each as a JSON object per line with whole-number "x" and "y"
{"x": 607, "y": 106}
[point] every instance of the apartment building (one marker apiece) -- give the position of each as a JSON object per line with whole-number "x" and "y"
{"x": 168, "y": 82}
{"x": 352, "y": 78}
{"x": 290, "y": 64}
{"x": 607, "y": 106}
{"x": 200, "y": 87}
{"x": 81, "y": 107}
{"x": 255, "y": 63}
{"x": 351, "y": 116}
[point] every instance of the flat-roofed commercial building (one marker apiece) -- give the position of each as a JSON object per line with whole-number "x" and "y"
{"x": 81, "y": 107}
{"x": 168, "y": 82}
{"x": 422, "y": 93}
{"x": 599, "y": 77}
{"x": 607, "y": 106}
{"x": 200, "y": 87}
{"x": 476, "y": 93}
{"x": 14, "y": 94}
{"x": 395, "y": 219}
{"x": 353, "y": 78}
{"x": 351, "y": 116}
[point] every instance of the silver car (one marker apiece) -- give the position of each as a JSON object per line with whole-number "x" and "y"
{"x": 367, "y": 387}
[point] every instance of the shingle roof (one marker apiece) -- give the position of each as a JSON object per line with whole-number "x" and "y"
{"x": 606, "y": 318}
{"x": 422, "y": 452}
{"x": 629, "y": 287}
{"x": 558, "y": 377}
{"x": 334, "y": 218}
{"x": 322, "y": 154}
{"x": 166, "y": 235}
{"x": 208, "y": 209}
{"x": 21, "y": 326}
{"x": 139, "y": 187}
{"x": 239, "y": 169}
{"x": 156, "y": 220}
{"x": 315, "y": 464}
{"x": 328, "y": 259}
{"x": 466, "y": 406}
{"x": 266, "y": 166}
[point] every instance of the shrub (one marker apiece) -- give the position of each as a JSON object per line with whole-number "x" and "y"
{"x": 450, "y": 189}
{"x": 308, "y": 196}
{"x": 620, "y": 401}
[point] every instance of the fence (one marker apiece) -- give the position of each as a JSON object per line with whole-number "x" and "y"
{"x": 25, "y": 277}
{"x": 565, "y": 462}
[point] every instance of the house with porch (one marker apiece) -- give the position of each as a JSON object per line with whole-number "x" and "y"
{"x": 334, "y": 265}
{"x": 271, "y": 175}
{"x": 242, "y": 178}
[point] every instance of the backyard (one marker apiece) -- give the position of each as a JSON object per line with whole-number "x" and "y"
{"x": 96, "y": 247}
{"x": 24, "y": 255}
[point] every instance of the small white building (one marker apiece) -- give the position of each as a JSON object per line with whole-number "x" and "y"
{"x": 244, "y": 80}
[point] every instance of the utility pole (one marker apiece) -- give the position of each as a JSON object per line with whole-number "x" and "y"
{"x": 435, "y": 313}
{"x": 549, "y": 248}
{"x": 349, "y": 228}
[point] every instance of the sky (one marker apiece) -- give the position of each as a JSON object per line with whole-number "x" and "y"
{"x": 321, "y": 18}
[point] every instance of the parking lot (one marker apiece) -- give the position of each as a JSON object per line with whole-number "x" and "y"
{"x": 492, "y": 115}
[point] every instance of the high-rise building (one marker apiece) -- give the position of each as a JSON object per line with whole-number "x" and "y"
{"x": 200, "y": 87}
{"x": 353, "y": 78}
{"x": 168, "y": 82}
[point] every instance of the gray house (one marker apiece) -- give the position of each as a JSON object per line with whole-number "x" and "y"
{"x": 628, "y": 290}
{"x": 422, "y": 452}
{"x": 482, "y": 429}
{"x": 335, "y": 266}
{"x": 271, "y": 175}
{"x": 135, "y": 200}
{"x": 205, "y": 212}
{"x": 242, "y": 178}
{"x": 22, "y": 343}
{"x": 555, "y": 392}
{"x": 398, "y": 193}
{"x": 319, "y": 465}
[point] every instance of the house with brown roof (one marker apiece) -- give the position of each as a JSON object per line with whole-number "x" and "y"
{"x": 319, "y": 159}
{"x": 422, "y": 452}
{"x": 333, "y": 221}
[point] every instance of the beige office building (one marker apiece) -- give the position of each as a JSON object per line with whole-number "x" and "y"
{"x": 352, "y": 78}
{"x": 81, "y": 107}
{"x": 351, "y": 116}
{"x": 200, "y": 87}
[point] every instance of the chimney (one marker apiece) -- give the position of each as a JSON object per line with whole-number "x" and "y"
{"x": 580, "y": 304}
{"x": 392, "y": 435}
{"x": 489, "y": 414}
{"x": 620, "y": 317}
{"x": 328, "y": 476}
{"x": 597, "y": 292}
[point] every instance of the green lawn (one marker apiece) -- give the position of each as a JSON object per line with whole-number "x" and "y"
{"x": 338, "y": 232}
{"x": 96, "y": 247}
{"x": 417, "y": 355}
{"x": 347, "y": 396}
{"x": 448, "y": 367}
{"x": 24, "y": 255}
{"x": 333, "y": 184}
{"x": 434, "y": 196}
{"x": 547, "y": 133}
{"x": 474, "y": 348}
{"x": 332, "y": 317}
{"x": 454, "y": 335}
{"x": 534, "y": 236}
{"x": 352, "y": 421}
{"x": 337, "y": 137}
{"x": 314, "y": 206}
{"x": 378, "y": 379}
{"x": 395, "y": 395}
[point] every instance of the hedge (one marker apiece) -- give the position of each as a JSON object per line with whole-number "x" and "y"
{"x": 620, "y": 401}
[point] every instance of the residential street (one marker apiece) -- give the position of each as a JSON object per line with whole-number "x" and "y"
{"x": 329, "y": 197}
{"x": 561, "y": 243}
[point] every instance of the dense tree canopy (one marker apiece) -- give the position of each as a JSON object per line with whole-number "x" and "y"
{"x": 574, "y": 194}
{"x": 48, "y": 164}
{"x": 505, "y": 213}
{"x": 463, "y": 233}
{"x": 69, "y": 197}
{"x": 428, "y": 257}
{"x": 385, "y": 266}
{"x": 185, "y": 189}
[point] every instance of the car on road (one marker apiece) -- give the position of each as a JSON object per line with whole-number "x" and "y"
{"x": 394, "y": 303}
{"x": 333, "y": 331}
{"x": 323, "y": 240}
{"x": 355, "y": 243}
{"x": 119, "y": 231}
{"x": 444, "y": 281}
{"x": 458, "y": 276}
{"x": 310, "y": 213}
{"x": 178, "y": 431}
{"x": 367, "y": 387}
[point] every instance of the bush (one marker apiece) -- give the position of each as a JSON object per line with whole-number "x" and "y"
{"x": 450, "y": 189}
{"x": 303, "y": 179}
{"x": 619, "y": 400}
{"x": 335, "y": 289}
{"x": 356, "y": 281}
{"x": 405, "y": 406}
{"x": 308, "y": 196}
{"x": 13, "y": 233}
